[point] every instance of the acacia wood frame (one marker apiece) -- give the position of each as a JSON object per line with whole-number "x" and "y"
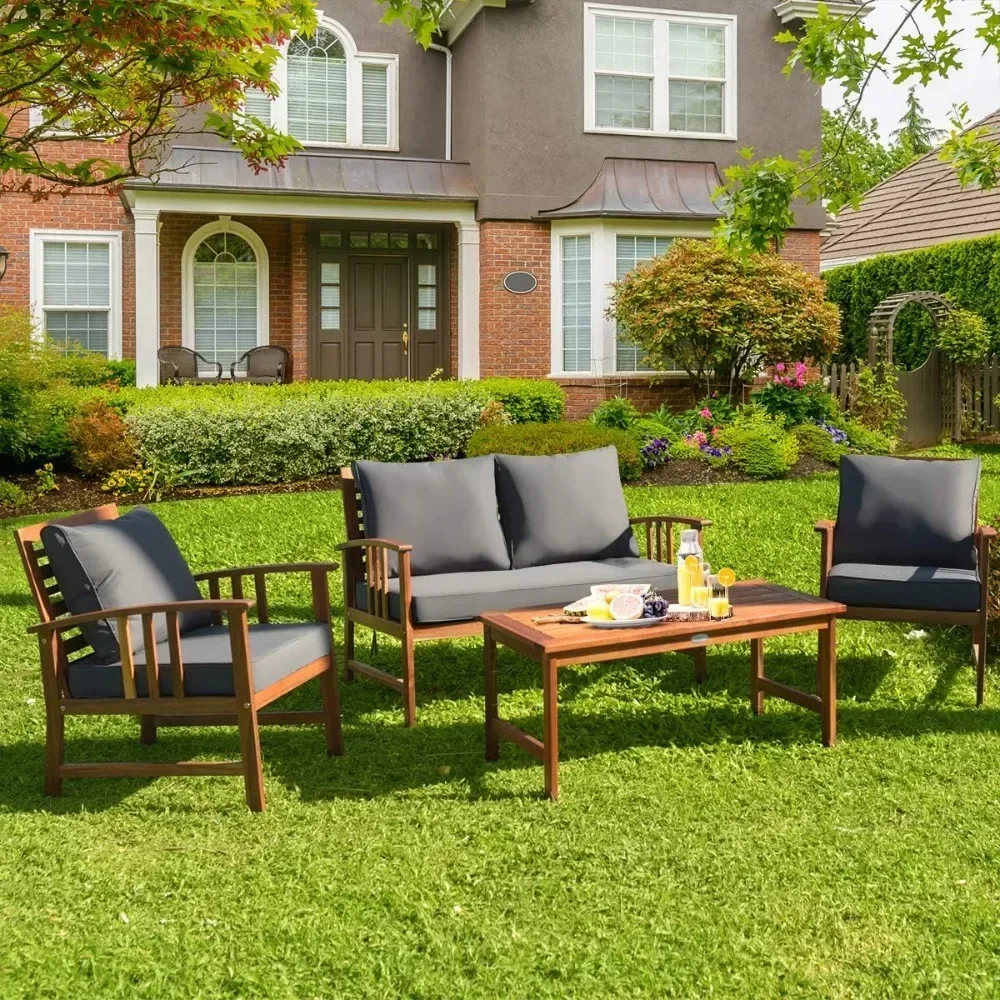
{"x": 976, "y": 620}
{"x": 243, "y": 709}
{"x": 368, "y": 559}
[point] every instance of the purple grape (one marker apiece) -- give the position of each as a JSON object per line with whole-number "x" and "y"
{"x": 654, "y": 606}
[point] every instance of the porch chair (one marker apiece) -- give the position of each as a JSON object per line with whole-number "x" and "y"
{"x": 182, "y": 366}
{"x": 264, "y": 365}
{"x": 124, "y": 630}
{"x": 907, "y": 546}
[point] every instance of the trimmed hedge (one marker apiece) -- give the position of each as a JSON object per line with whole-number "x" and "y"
{"x": 558, "y": 439}
{"x": 968, "y": 270}
{"x": 263, "y": 434}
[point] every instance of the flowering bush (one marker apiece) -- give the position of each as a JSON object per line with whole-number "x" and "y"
{"x": 792, "y": 399}
{"x": 822, "y": 441}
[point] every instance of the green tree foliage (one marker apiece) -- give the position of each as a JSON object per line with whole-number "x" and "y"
{"x": 720, "y": 315}
{"x": 915, "y": 134}
{"x": 127, "y": 73}
{"x": 968, "y": 271}
{"x": 856, "y": 158}
{"x": 834, "y": 48}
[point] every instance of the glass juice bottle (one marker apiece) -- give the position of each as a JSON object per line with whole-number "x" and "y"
{"x": 685, "y": 576}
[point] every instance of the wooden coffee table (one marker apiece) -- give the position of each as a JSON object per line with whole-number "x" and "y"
{"x": 760, "y": 610}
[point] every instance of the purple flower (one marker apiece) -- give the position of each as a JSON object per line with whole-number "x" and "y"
{"x": 713, "y": 452}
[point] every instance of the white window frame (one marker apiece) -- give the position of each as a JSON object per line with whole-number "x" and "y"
{"x": 224, "y": 225}
{"x": 36, "y": 278}
{"x": 356, "y": 60}
{"x": 603, "y": 235}
{"x": 660, "y": 20}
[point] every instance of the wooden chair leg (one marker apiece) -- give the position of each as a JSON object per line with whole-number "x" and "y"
{"x": 147, "y": 730}
{"x": 55, "y": 739}
{"x": 348, "y": 650}
{"x": 253, "y": 774}
{"x": 979, "y": 652}
{"x": 409, "y": 681}
{"x": 331, "y": 710}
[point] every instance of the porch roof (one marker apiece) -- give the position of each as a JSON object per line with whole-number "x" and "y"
{"x": 189, "y": 168}
{"x": 666, "y": 189}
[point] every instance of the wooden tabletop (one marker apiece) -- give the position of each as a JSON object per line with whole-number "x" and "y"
{"x": 755, "y": 603}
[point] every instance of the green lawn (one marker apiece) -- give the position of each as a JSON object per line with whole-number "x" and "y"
{"x": 696, "y": 851}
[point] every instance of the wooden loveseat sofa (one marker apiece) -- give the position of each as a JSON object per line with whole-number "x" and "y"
{"x": 430, "y": 546}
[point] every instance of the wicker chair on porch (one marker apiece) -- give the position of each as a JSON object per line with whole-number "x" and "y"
{"x": 182, "y": 366}
{"x": 264, "y": 365}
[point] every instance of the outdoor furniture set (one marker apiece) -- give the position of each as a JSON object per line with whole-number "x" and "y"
{"x": 265, "y": 365}
{"x": 490, "y": 546}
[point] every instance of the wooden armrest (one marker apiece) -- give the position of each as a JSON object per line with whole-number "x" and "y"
{"x": 986, "y": 531}
{"x": 694, "y": 522}
{"x": 307, "y": 567}
{"x": 824, "y": 525}
{"x": 228, "y": 605}
{"x": 375, "y": 543}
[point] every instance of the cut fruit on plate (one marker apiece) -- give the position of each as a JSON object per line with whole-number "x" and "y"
{"x": 627, "y": 607}
{"x": 601, "y": 589}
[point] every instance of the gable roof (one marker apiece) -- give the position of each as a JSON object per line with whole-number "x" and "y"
{"x": 667, "y": 189}
{"x": 921, "y": 205}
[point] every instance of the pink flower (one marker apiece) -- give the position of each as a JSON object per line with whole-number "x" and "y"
{"x": 700, "y": 438}
{"x": 706, "y": 414}
{"x": 779, "y": 367}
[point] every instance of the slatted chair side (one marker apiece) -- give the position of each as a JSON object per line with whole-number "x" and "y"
{"x": 354, "y": 559}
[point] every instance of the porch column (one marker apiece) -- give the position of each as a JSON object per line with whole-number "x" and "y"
{"x": 468, "y": 300}
{"x": 147, "y": 295}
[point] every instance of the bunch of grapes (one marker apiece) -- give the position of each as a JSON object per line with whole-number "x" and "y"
{"x": 655, "y": 606}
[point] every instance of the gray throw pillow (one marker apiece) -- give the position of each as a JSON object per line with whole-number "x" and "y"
{"x": 563, "y": 508}
{"x": 907, "y": 512}
{"x": 446, "y": 510}
{"x": 129, "y": 561}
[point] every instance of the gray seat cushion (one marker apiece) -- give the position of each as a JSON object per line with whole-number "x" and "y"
{"x": 276, "y": 650}
{"x": 906, "y": 512}
{"x": 131, "y": 560}
{"x": 925, "y": 588}
{"x": 451, "y": 597}
{"x": 446, "y": 510}
{"x": 563, "y": 508}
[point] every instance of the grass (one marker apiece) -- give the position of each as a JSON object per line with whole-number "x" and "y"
{"x": 696, "y": 851}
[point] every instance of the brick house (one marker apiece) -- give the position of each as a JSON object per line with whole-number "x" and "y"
{"x": 460, "y": 209}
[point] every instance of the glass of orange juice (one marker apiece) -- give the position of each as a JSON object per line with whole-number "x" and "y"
{"x": 700, "y": 588}
{"x": 718, "y": 599}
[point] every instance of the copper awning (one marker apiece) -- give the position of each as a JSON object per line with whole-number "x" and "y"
{"x": 221, "y": 169}
{"x": 666, "y": 189}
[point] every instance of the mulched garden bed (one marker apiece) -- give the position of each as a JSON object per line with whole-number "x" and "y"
{"x": 76, "y": 493}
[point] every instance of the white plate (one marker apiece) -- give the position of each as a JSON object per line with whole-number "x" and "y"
{"x": 635, "y": 623}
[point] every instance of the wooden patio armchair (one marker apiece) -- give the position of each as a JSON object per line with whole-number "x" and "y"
{"x": 220, "y": 674}
{"x": 369, "y": 563}
{"x": 264, "y": 365}
{"x": 907, "y": 546}
{"x": 180, "y": 365}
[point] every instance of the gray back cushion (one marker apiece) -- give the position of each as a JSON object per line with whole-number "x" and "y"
{"x": 907, "y": 512}
{"x": 563, "y": 508}
{"x": 446, "y": 510}
{"x": 130, "y": 561}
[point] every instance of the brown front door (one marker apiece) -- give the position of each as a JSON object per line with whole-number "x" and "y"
{"x": 378, "y": 317}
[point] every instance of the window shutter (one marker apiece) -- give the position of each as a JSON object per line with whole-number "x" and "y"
{"x": 375, "y": 104}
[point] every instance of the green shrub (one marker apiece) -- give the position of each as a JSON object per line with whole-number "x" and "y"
{"x": 797, "y": 404}
{"x": 100, "y": 439}
{"x": 558, "y": 439}
{"x": 876, "y": 402}
{"x": 618, "y": 413}
{"x": 818, "y": 442}
{"x": 968, "y": 270}
{"x": 681, "y": 450}
{"x": 527, "y": 400}
{"x": 865, "y": 441}
{"x": 11, "y": 495}
{"x": 761, "y": 447}
{"x": 646, "y": 429}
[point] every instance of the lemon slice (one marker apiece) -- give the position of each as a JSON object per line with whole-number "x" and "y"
{"x": 692, "y": 563}
{"x": 727, "y": 577}
{"x": 627, "y": 607}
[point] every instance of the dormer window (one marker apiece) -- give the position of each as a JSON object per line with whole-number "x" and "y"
{"x": 662, "y": 73}
{"x": 332, "y": 94}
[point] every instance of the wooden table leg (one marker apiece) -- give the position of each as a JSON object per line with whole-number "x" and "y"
{"x": 756, "y": 674}
{"x": 492, "y": 706}
{"x": 550, "y": 727}
{"x": 828, "y": 682}
{"x": 700, "y": 665}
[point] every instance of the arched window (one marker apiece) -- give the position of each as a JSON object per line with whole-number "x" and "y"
{"x": 225, "y": 292}
{"x": 330, "y": 94}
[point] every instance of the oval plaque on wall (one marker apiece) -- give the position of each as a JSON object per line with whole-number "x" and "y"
{"x": 520, "y": 282}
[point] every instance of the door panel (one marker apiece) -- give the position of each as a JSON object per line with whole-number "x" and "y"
{"x": 379, "y": 306}
{"x": 424, "y": 359}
